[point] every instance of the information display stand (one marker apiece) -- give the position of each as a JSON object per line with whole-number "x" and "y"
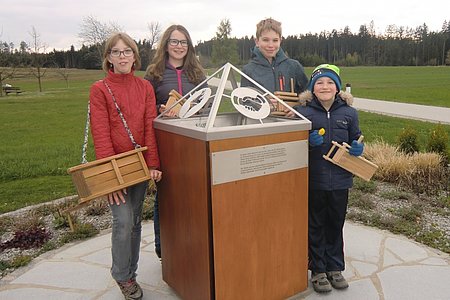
{"x": 233, "y": 203}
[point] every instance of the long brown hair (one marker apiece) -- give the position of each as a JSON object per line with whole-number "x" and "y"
{"x": 112, "y": 41}
{"x": 191, "y": 66}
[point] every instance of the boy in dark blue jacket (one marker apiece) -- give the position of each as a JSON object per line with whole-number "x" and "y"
{"x": 329, "y": 108}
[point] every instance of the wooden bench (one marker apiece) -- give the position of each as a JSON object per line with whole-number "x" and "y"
{"x": 12, "y": 89}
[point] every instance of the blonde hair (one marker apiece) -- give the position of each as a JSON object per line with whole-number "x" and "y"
{"x": 268, "y": 24}
{"x": 191, "y": 65}
{"x": 112, "y": 41}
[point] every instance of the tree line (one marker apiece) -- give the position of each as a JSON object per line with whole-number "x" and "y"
{"x": 397, "y": 46}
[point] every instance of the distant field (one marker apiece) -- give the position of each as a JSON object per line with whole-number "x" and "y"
{"x": 419, "y": 85}
{"x": 41, "y": 133}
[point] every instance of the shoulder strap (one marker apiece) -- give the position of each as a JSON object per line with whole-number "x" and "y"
{"x": 136, "y": 145}
{"x": 86, "y": 128}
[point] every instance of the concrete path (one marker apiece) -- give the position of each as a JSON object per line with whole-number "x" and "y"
{"x": 433, "y": 114}
{"x": 379, "y": 265}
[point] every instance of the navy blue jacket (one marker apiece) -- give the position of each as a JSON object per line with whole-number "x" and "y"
{"x": 268, "y": 75}
{"x": 341, "y": 124}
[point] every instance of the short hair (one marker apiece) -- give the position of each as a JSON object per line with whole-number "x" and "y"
{"x": 268, "y": 24}
{"x": 112, "y": 40}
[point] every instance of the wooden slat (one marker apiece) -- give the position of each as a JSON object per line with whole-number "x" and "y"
{"x": 131, "y": 168}
{"x": 117, "y": 171}
{"x": 80, "y": 183}
{"x": 101, "y": 177}
{"x": 127, "y": 160}
{"x": 98, "y": 169}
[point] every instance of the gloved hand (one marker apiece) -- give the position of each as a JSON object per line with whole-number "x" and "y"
{"x": 356, "y": 149}
{"x": 315, "y": 139}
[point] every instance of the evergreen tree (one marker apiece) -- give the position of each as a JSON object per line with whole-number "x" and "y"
{"x": 224, "y": 48}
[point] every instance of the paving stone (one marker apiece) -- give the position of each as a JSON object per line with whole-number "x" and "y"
{"x": 362, "y": 244}
{"x": 389, "y": 259}
{"x": 415, "y": 282}
{"x": 42, "y": 294}
{"x": 365, "y": 269}
{"x": 66, "y": 275}
{"x": 405, "y": 250}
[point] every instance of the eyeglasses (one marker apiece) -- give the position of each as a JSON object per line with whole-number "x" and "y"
{"x": 175, "y": 42}
{"x": 126, "y": 52}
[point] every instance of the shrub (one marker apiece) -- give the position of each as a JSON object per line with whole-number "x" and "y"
{"x": 420, "y": 172}
{"x": 408, "y": 140}
{"x": 81, "y": 232}
{"x": 26, "y": 239}
{"x": 438, "y": 141}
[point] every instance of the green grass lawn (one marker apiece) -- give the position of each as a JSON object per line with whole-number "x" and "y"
{"x": 42, "y": 133}
{"x": 419, "y": 85}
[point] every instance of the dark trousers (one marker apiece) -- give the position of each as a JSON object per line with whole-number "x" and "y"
{"x": 156, "y": 225}
{"x": 326, "y": 217}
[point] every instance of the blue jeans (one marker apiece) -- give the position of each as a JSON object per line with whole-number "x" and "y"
{"x": 156, "y": 226}
{"x": 126, "y": 233}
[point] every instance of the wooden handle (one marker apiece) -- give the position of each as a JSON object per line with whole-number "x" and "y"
{"x": 279, "y": 93}
{"x": 361, "y": 137}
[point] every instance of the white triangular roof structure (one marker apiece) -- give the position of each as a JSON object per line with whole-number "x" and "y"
{"x": 219, "y": 108}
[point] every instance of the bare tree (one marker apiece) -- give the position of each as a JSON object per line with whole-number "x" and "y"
{"x": 155, "y": 30}
{"x": 37, "y": 56}
{"x": 64, "y": 73}
{"x": 95, "y": 33}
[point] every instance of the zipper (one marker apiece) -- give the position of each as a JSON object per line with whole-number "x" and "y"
{"x": 330, "y": 177}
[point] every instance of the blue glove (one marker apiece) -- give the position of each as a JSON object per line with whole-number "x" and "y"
{"x": 315, "y": 139}
{"x": 356, "y": 149}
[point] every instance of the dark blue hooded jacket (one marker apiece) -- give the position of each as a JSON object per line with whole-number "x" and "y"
{"x": 341, "y": 124}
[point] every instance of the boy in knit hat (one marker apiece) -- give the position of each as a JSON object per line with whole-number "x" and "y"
{"x": 327, "y": 107}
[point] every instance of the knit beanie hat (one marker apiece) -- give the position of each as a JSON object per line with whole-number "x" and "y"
{"x": 325, "y": 70}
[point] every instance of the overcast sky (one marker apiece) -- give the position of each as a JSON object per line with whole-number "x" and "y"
{"x": 58, "y": 21}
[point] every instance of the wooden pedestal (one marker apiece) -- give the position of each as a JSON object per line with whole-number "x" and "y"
{"x": 245, "y": 239}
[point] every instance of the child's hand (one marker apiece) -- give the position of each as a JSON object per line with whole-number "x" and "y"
{"x": 356, "y": 149}
{"x": 315, "y": 139}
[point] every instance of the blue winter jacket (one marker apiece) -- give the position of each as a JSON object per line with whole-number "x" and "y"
{"x": 269, "y": 75}
{"x": 341, "y": 124}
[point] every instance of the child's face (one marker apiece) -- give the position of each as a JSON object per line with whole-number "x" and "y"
{"x": 268, "y": 43}
{"x": 122, "y": 64}
{"x": 325, "y": 89}
{"x": 179, "y": 51}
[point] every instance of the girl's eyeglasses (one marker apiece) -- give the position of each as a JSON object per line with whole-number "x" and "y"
{"x": 175, "y": 42}
{"x": 126, "y": 52}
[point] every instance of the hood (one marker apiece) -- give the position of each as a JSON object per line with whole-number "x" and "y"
{"x": 307, "y": 96}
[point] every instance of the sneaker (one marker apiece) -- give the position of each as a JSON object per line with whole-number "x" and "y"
{"x": 320, "y": 283}
{"x": 131, "y": 290}
{"x": 337, "y": 280}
